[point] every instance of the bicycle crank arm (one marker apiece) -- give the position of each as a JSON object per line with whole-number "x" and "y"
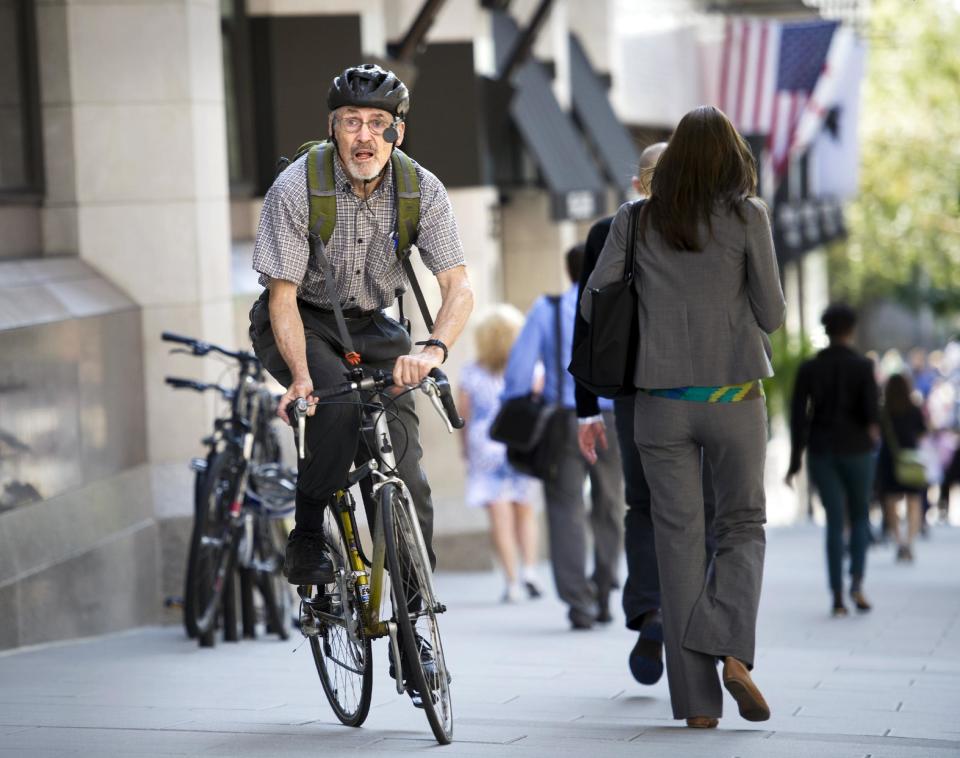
{"x": 395, "y": 649}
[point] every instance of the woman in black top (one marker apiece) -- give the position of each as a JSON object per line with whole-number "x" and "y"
{"x": 904, "y": 421}
{"x": 834, "y": 414}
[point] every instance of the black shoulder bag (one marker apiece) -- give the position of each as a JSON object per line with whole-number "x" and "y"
{"x": 605, "y": 359}
{"x": 533, "y": 431}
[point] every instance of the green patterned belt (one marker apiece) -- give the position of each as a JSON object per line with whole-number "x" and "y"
{"x": 730, "y": 393}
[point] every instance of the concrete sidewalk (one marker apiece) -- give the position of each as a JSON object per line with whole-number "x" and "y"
{"x": 882, "y": 685}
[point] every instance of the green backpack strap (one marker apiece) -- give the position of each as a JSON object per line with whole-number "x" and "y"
{"x": 322, "y": 188}
{"x": 408, "y": 200}
{"x": 407, "y": 184}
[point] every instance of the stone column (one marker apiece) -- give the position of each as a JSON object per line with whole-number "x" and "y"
{"x": 135, "y": 146}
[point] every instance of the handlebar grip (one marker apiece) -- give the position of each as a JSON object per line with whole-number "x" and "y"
{"x": 446, "y": 398}
{"x": 332, "y": 392}
{"x": 171, "y": 337}
{"x": 179, "y": 383}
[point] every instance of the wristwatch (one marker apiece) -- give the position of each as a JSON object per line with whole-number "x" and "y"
{"x": 436, "y": 343}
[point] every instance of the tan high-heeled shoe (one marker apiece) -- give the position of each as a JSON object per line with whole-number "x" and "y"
{"x": 702, "y": 722}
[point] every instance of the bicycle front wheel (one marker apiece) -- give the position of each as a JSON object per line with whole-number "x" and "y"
{"x": 342, "y": 652}
{"x": 212, "y": 553}
{"x": 416, "y": 608}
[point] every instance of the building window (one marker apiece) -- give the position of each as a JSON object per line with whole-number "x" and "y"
{"x": 21, "y": 168}
{"x": 238, "y": 94}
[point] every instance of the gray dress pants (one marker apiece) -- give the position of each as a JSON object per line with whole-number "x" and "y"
{"x": 567, "y": 521}
{"x": 709, "y": 608}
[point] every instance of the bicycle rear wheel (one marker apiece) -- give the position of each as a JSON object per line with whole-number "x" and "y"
{"x": 189, "y": 617}
{"x": 342, "y": 653}
{"x": 273, "y": 585}
{"x": 416, "y": 608}
{"x": 213, "y": 553}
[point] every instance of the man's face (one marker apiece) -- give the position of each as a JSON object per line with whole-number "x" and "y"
{"x": 364, "y": 152}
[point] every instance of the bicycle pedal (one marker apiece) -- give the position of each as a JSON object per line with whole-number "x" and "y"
{"x": 308, "y": 624}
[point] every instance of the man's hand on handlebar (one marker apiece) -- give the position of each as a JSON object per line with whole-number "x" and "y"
{"x": 410, "y": 370}
{"x": 297, "y": 389}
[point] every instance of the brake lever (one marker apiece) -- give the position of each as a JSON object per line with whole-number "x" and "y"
{"x": 181, "y": 350}
{"x": 431, "y": 390}
{"x": 298, "y": 419}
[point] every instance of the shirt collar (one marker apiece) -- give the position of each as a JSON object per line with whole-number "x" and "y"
{"x": 341, "y": 179}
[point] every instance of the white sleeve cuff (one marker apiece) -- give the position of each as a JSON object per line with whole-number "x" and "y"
{"x": 598, "y": 419}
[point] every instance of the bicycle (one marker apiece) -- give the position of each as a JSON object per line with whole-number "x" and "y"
{"x": 241, "y": 495}
{"x": 342, "y": 618}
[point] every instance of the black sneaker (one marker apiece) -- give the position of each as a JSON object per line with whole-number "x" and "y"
{"x": 306, "y": 560}
{"x": 426, "y": 660}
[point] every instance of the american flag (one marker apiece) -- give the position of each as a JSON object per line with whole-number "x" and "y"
{"x": 769, "y": 72}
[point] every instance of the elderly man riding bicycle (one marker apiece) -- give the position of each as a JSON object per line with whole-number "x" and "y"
{"x": 330, "y": 270}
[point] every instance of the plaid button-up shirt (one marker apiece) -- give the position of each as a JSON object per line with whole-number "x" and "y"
{"x": 366, "y": 271}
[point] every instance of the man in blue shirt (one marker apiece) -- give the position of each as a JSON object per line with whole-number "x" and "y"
{"x": 587, "y": 598}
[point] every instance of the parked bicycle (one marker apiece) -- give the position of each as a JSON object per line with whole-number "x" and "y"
{"x": 242, "y": 494}
{"x": 342, "y": 618}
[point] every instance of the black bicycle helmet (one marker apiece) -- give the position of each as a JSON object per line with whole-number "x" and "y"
{"x": 369, "y": 86}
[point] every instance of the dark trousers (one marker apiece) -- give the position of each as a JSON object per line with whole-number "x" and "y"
{"x": 843, "y": 482}
{"x": 333, "y": 435}
{"x": 567, "y": 523}
{"x": 641, "y": 592}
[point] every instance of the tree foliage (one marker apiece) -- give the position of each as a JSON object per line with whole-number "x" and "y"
{"x": 904, "y": 228}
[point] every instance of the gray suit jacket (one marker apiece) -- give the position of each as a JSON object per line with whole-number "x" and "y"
{"x": 704, "y": 317}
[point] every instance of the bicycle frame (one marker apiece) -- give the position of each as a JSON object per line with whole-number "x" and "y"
{"x": 370, "y": 583}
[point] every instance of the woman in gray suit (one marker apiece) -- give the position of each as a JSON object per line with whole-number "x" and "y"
{"x": 709, "y": 293}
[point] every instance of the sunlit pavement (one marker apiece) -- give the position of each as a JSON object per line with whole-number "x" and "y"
{"x": 884, "y": 685}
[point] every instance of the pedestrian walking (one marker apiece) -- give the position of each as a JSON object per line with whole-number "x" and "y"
{"x": 834, "y": 414}
{"x": 492, "y": 483}
{"x": 641, "y": 590}
{"x": 587, "y": 597}
{"x": 708, "y": 290}
{"x": 903, "y": 426}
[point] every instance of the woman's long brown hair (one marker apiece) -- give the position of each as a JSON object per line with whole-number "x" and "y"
{"x": 706, "y": 162}
{"x": 896, "y": 395}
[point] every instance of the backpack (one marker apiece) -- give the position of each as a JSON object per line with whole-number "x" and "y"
{"x": 323, "y": 200}
{"x": 323, "y": 218}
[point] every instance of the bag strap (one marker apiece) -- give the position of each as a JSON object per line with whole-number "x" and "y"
{"x": 630, "y": 257}
{"x": 406, "y": 185}
{"x": 557, "y": 319}
{"x": 889, "y": 433}
{"x": 323, "y": 217}
{"x": 322, "y": 190}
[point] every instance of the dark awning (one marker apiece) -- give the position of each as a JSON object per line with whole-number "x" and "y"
{"x": 576, "y": 186}
{"x": 610, "y": 139}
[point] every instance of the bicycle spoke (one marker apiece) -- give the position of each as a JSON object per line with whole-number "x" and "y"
{"x": 415, "y": 611}
{"x": 343, "y": 658}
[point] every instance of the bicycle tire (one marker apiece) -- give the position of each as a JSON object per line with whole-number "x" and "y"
{"x": 189, "y": 616}
{"x": 214, "y": 554}
{"x": 345, "y": 666}
{"x": 273, "y": 585}
{"x": 415, "y": 609}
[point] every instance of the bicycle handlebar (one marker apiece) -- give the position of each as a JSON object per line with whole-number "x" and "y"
{"x": 436, "y": 386}
{"x": 191, "y": 384}
{"x": 200, "y": 348}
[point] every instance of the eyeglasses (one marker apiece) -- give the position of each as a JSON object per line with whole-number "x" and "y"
{"x": 353, "y": 124}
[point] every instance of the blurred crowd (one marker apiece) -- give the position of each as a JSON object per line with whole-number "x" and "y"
{"x": 933, "y": 379}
